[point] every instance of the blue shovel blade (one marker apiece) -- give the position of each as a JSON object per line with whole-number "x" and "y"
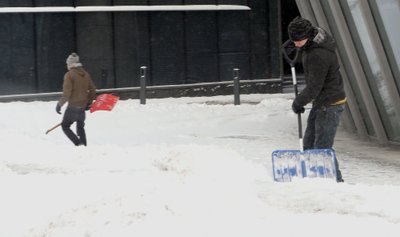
{"x": 313, "y": 163}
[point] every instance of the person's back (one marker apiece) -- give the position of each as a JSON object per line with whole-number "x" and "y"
{"x": 321, "y": 71}
{"x": 78, "y": 88}
{"x": 79, "y": 91}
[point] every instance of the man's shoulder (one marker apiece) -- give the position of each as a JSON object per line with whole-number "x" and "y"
{"x": 67, "y": 75}
{"x": 77, "y": 72}
{"x": 319, "y": 53}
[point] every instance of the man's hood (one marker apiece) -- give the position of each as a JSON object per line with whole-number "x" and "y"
{"x": 323, "y": 40}
{"x": 79, "y": 71}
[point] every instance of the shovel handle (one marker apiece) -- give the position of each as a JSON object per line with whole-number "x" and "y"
{"x": 296, "y": 92}
{"x": 292, "y": 63}
{"x": 52, "y": 128}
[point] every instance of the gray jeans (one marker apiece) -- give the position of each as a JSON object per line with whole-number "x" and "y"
{"x": 77, "y": 115}
{"x": 321, "y": 129}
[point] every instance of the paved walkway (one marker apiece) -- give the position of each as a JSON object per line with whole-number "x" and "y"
{"x": 367, "y": 162}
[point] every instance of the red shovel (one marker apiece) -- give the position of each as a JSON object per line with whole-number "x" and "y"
{"x": 103, "y": 102}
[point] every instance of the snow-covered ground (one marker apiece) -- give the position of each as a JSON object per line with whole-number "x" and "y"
{"x": 185, "y": 167}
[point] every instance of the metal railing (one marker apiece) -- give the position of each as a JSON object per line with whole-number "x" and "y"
{"x": 141, "y": 91}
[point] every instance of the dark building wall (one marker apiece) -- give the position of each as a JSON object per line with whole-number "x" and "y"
{"x": 131, "y": 44}
{"x": 17, "y": 49}
{"x": 288, "y": 14}
{"x": 201, "y": 44}
{"x": 95, "y": 41}
{"x": 177, "y": 47}
{"x": 54, "y": 38}
{"x": 167, "y": 45}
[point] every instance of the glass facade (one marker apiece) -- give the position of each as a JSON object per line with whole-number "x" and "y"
{"x": 368, "y": 36}
{"x": 373, "y": 68}
{"x": 388, "y": 12}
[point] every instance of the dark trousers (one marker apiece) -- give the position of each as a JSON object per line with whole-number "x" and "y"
{"x": 71, "y": 115}
{"x": 321, "y": 129}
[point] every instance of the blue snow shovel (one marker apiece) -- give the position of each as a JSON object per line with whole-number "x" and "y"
{"x": 289, "y": 164}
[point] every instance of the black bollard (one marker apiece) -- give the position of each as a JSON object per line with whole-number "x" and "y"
{"x": 236, "y": 86}
{"x": 142, "y": 93}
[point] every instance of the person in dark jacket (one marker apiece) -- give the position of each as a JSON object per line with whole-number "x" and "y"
{"x": 79, "y": 91}
{"x": 324, "y": 85}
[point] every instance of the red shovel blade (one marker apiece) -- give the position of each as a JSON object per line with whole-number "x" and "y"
{"x": 104, "y": 102}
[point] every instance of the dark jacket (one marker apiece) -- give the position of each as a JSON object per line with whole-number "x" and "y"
{"x": 324, "y": 84}
{"x": 78, "y": 88}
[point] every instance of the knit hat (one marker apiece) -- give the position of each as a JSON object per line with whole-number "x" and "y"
{"x": 299, "y": 29}
{"x": 73, "y": 59}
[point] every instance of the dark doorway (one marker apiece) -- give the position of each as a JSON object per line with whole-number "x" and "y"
{"x": 289, "y": 12}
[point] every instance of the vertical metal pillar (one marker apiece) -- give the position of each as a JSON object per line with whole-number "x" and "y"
{"x": 142, "y": 92}
{"x": 236, "y": 86}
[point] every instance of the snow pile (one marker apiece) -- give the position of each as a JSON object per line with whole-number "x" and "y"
{"x": 181, "y": 167}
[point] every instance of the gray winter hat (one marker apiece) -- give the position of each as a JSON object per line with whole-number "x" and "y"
{"x": 73, "y": 59}
{"x": 299, "y": 29}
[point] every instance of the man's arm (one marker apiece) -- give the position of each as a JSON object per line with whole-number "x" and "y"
{"x": 317, "y": 72}
{"x": 67, "y": 90}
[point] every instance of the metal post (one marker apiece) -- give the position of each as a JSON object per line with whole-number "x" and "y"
{"x": 142, "y": 92}
{"x": 104, "y": 76}
{"x": 236, "y": 86}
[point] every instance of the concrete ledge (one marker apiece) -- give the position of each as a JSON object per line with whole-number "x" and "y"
{"x": 267, "y": 86}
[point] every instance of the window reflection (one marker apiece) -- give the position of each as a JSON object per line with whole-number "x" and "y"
{"x": 389, "y": 11}
{"x": 378, "y": 83}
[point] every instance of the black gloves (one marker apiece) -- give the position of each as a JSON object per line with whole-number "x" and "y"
{"x": 297, "y": 109}
{"x": 58, "y": 108}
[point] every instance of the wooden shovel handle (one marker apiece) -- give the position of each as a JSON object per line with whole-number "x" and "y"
{"x": 54, "y": 127}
